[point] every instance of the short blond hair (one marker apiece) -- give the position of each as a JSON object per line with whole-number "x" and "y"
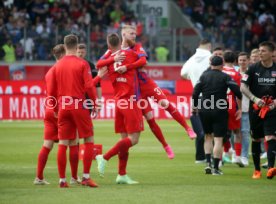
{"x": 125, "y": 27}
{"x": 254, "y": 51}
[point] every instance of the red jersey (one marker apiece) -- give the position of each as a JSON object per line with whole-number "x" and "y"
{"x": 49, "y": 77}
{"x": 72, "y": 79}
{"x": 50, "y": 80}
{"x": 141, "y": 61}
{"x": 236, "y": 76}
{"x": 142, "y": 75}
{"x": 126, "y": 84}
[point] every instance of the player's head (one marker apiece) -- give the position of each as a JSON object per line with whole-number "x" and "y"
{"x": 58, "y": 51}
{"x": 71, "y": 42}
{"x": 229, "y": 57}
{"x": 81, "y": 51}
{"x": 129, "y": 34}
{"x": 243, "y": 60}
{"x": 216, "y": 62}
{"x": 266, "y": 50}
{"x": 205, "y": 44}
{"x": 254, "y": 56}
{"x": 113, "y": 41}
{"x": 218, "y": 51}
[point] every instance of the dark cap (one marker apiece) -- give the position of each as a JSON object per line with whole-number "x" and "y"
{"x": 216, "y": 61}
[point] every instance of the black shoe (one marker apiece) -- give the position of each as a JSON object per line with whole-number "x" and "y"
{"x": 217, "y": 172}
{"x": 264, "y": 165}
{"x": 208, "y": 170}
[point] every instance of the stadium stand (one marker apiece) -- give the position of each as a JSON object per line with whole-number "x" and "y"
{"x": 232, "y": 22}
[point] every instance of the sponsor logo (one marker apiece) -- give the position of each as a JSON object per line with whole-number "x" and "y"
{"x": 267, "y": 80}
{"x": 121, "y": 79}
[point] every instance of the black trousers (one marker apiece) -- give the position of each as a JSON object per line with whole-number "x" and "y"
{"x": 199, "y": 142}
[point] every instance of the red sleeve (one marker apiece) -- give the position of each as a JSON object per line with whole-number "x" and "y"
{"x": 238, "y": 78}
{"x": 51, "y": 86}
{"x": 88, "y": 82}
{"x": 140, "y": 50}
{"x": 96, "y": 80}
{"x": 138, "y": 64}
{"x": 104, "y": 62}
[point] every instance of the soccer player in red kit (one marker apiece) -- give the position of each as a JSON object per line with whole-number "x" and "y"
{"x": 72, "y": 80}
{"x": 149, "y": 88}
{"x": 128, "y": 117}
{"x": 50, "y": 124}
{"x": 107, "y": 59}
{"x": 234, "y": 114}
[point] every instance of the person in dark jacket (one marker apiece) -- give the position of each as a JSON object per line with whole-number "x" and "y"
{"x": 212, "y": 107}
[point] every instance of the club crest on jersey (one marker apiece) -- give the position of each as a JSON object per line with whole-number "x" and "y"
{"x": 273, "y": 73}
{"x": 142, "y": 49}
{"x": 244, "y": 77}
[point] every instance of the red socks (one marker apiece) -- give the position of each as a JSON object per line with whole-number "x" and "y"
{"x": 121, "y": 146}
{"x": 87, "y": 157}
{"x": 227, "y": 146}
{"x": 157, "y": 132}
{"x": 61, "y": 160}
{"x": 238, "y": 148}
{"x": 177, "y": 116}
{"x": 123, "y": 158}
{"x": 74, "y": 160}
{"x": 42, "y": 160}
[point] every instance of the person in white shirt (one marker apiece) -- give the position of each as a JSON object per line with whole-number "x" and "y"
{"x": 243, "y": 61}
{"x": 192, "y": 70}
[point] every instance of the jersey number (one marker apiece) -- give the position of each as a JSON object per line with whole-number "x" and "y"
{"x": 158, "y": 91}
{"x": 116, "y": 65}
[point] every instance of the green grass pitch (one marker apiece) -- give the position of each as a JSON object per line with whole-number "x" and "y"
{"x": 161, "y": 180}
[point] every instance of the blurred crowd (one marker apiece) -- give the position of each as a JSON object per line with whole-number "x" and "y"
{"x": 47, "y": 21}
{"x": 30, "y": 28}
{"x": 229, "y": 22}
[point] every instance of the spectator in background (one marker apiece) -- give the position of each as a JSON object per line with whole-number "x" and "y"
{"x": 162, "y": 53}
{"x": 254, "y": 56}
{"x": 19, "y": 51}
{"x": 29, "y": 47}
{"x": 9, "y": 51}
{"x": 117, "y": 14}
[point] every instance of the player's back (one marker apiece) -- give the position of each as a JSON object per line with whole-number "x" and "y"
{"x": 69, "y": 76}
{"x": 236, "y": 76}
{"x": 143, "y": 78}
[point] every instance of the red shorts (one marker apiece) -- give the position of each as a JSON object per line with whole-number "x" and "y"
{"x": 69, "y": 121}
{"x": 145, "y": 106}
{"x": 150, "y": 89}
{"x": 129, "y": 119}
{"x": 50, "y": 126}
{"x": 233, "y": 124}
